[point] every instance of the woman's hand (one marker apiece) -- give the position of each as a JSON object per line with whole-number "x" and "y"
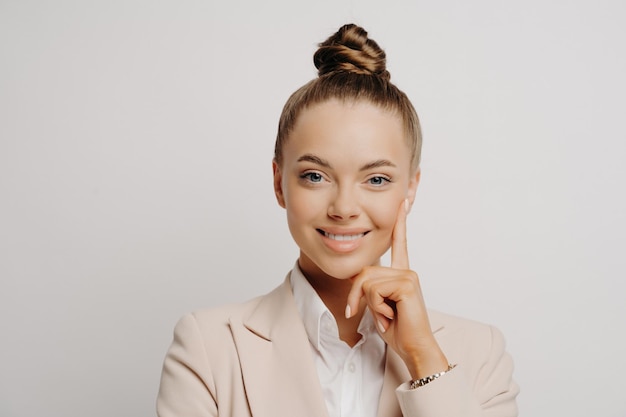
{"x": 394, "y": 297}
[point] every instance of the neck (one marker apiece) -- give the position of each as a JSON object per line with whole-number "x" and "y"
{"x": 334, "y": 293}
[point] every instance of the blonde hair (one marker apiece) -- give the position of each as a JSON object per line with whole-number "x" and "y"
{"x": 351, "y": 67}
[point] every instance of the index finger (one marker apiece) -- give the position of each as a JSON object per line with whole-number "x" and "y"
{"x": 399, "y": 251}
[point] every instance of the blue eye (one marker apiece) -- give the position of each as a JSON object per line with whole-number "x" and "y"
{"x": 312, "y": 176}
{"x": 378, "y": 181}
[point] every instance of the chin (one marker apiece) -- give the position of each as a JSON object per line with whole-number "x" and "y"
{"x": 346, "y": 269}
{"x": 320, "y": 263}
{"x": 342, "y": 274}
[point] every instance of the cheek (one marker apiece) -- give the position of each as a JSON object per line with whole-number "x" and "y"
{"x": 388, "y": 219}
{"x": 384, "y": 212}
{"x": 301, "y": 206}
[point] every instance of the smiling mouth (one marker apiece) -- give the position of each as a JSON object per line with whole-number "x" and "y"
{"x": 342, "y": 237}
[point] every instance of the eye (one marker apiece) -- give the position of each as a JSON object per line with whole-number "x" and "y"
{"x": 314, "y": 177}
{"x": 378, "y": 181}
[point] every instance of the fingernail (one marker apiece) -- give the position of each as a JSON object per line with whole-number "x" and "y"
{"x": 407, "y": 205}
{"x": 381, "y": 327}
{"x": 348, "y": 312}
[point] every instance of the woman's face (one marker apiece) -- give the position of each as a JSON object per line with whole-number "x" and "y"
{"x": 345, "y": 172}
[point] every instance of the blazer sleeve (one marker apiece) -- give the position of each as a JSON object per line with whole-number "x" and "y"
{"x": 187, "y": 386}
{"x": 480, "y": 386}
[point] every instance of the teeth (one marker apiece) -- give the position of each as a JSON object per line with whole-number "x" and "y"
{"x": 343, "y": 237}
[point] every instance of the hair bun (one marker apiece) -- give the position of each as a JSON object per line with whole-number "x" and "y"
{"x": 350, "y": 50}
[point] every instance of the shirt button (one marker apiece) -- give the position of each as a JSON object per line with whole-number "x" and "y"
{"x": 351, "y": 367}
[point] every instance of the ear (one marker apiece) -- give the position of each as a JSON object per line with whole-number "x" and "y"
{"x": 413, "y": 183}
{"x": 278, "y": 184}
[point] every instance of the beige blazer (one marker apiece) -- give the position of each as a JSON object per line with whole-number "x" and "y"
{"x": 254, "y": 359}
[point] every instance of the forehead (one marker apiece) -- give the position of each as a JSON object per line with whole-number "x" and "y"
{"x": 354, "y": 129}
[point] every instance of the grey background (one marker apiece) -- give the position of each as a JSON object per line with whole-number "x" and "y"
{"x": 135, "y": 182}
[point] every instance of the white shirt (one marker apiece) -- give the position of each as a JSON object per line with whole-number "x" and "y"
{"x": 351, "y": 378}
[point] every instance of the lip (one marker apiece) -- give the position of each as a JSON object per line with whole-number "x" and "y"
{"x": 342, "y": 240}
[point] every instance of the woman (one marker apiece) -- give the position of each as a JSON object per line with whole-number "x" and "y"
{"x": 343, "y": 335}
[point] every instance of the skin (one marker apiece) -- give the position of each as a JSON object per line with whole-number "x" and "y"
{"x": 346, "y": 171}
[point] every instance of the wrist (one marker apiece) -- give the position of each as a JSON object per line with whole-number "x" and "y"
{"x": 427, "y": 362}
{"x": 416, "y": 383}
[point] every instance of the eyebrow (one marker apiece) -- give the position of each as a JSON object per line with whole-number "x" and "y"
{"x": 322, "y": 162}
{"x": 314, "y": 159}
{"x": 377, "y": 164}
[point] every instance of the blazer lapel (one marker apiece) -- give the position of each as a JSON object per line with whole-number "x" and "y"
{"x": 395, "y": 374}
{"x": 278, "y": 371}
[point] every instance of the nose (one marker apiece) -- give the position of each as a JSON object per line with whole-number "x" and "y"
{"x": 344, "y": 204}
